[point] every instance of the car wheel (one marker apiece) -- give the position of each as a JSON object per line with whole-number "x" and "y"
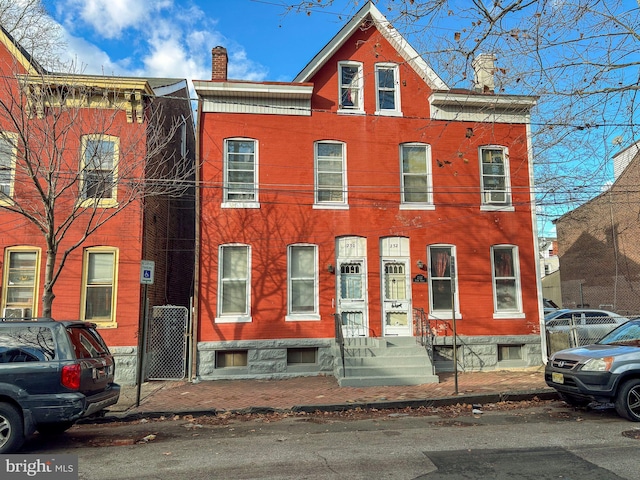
{"x": 11, "y": 429}
{"x": 53, "y": 428}
{"x": 573, "y": 400}
{"x": 628, "y": 400}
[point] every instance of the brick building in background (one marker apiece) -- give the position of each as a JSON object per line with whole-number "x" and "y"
{"x": 598, "y": 244}
{"x": 348, "y": 194}
{"x": 89, "y": 133}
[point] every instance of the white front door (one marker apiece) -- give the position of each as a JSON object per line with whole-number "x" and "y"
{"x": 352, "y": 294}
{"x": 396, "y": 300}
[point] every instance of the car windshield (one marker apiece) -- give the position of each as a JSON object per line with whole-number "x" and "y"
{"x": 626, "y": 334}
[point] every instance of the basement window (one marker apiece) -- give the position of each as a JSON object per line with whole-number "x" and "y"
{"x": 509, "y": 352}
{"x": 231, "y": 358}
{"x": 296, "y": 356}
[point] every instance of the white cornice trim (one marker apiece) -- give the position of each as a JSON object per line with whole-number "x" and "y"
{"x": 222, "y": 89}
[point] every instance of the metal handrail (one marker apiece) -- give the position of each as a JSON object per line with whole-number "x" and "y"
{"x": 337, "y": 319}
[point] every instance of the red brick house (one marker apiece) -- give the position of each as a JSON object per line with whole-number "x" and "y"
{"x": 347, "y": 194}
{"x": 87, "y": 160}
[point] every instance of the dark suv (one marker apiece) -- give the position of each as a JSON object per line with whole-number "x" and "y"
{"x": 51, "y": 374}
{"x": 607, "y": 371}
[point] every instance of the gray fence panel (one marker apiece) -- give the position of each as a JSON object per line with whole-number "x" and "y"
{"x": 167, "y": 343}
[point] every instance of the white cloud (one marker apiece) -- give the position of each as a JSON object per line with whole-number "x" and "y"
{"x": 162, "y": 39}
{"x": 110, "y": 18}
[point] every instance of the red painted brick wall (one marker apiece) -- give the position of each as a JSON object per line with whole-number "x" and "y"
{"x": 286, "y": 180}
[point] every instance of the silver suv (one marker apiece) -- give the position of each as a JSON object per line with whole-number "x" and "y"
{"x": 607, "y": 371}
{"x": 51, "y": 375}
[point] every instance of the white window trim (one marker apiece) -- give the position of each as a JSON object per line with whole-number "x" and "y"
{"x": 114, "y": 285}
{"x": 13, "y": 138}
{"x": 396, "y": 112}
{"x": 344, "y": 204}
{"x": 428, "y": 205}
{"x": 221, "y": 318}
{"x": 444, "y": 314}
{"x": 100, "y": 202}
{"x": 310, "y": 316}
{"x": 255, "y": 203}
{"x": 351, "y": 111}
{"x": 491, "y": 206}
{"x": 518, "y": 313}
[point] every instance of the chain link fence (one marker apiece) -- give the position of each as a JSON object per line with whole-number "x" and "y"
{"x": 167, "y": 343}
{"x": 579, "y": 328}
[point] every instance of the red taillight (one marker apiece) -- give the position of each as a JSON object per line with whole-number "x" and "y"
{"x": 71, "y": 376}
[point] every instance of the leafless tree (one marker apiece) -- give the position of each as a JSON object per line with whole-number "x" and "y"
{"x": 28, "y": 22}
{"x": 579, "y": 56}
{"x": 67, "y": 184}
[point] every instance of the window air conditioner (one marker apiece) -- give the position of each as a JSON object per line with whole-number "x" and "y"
{"x": 16, "y": 312}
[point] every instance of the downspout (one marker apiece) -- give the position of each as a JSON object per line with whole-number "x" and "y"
{"x": 196, "y": 270}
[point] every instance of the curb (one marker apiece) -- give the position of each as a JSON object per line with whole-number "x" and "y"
{"x": 480, "y": 398}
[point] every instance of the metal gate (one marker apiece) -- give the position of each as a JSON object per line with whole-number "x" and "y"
{"x": 167, "y": 343}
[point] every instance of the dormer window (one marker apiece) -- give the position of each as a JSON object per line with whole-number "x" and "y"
{"x": 387, "y": 88}
{"x": 351, "y": 83}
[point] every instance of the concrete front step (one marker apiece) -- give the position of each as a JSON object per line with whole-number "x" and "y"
{"x": 384, "y": 381}
{"x": 387, "y": 361}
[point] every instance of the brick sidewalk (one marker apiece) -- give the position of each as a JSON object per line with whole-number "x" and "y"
{"x": 323, "y": 391}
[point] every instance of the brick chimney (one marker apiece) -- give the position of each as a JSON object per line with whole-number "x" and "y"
{"x": 484, "y": 69}
{"x": 219, "y": 60}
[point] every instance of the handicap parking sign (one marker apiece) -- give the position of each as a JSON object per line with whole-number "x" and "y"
{"x": 147, "y": 268}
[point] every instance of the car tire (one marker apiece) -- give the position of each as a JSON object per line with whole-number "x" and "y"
{"x": 628, "y": 400}
{"x": 53, "y": 428}
{"x": 11, "y": 428}
{"x": 573, "y": 400}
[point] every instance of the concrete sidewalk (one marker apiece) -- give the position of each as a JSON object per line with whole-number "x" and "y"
{"x": 323, "y": 393}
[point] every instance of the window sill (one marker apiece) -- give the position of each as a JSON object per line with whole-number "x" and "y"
{"x": 98, "y": 203}
{"x": 417, "y": 206}
{"x": 299, "y": 317}
{"x": 509, "y": 315}
{"x": 103, "y": 324}
{"x": 330, "y": 206}
{"x": 389, "y": 113}
{"x": 497, "y": 208}
{"x": 443, "y": 316}
{"x": 233, "y": 319}
{"x": 240, "y": 205}
{"x": 7, "y": 201}
{"x": 342, "y": 111}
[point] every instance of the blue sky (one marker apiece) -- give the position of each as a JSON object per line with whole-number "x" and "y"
{"x": 173, "y": 38}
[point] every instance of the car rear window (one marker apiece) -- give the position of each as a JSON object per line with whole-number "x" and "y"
{"x": 26, "y": 344}
{"x": 87, "y": 343}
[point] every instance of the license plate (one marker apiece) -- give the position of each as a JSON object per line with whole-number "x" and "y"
{"x": 557, "y": 377}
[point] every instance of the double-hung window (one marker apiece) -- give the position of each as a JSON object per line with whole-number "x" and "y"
{"x": 20, "y": 282}
{"x": 7, "y": 165}
{"x": 387, "y": 88}
{"x": 302, "y": 282}
{"x": 241, "y": 173}
{"x": 442, "y": 280}
{"x": 351, "y": 87}
{"x": 495, "y": 187}
{"x": 234, "y": 288}
{"x": 506, "y": 280}
{"x": 99, "y": 170}
{"x": 330, "y": 174}
{"x": 99, "y": 285}
{"x": 415, "y": 160}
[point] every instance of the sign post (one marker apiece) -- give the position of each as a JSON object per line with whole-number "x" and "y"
{"x": 452, "y": 267}
{"x": 147, "y": 271}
